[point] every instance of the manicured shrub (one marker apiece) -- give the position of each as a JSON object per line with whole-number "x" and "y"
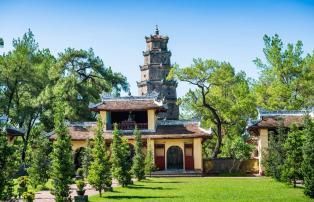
{"x": 149, "y": 161}
{"x": 308, "y": 155}
{"x": 138, "y": 165}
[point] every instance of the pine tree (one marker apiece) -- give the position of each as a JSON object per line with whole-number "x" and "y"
{"x": 7, "y": 163}
{"x": 149, "y": 161}
{"x": 308, "y": 156}
{"x": 291, "y": 170}
{"x": 138, "y": 159}
{"x": 62, "y": 168}
{"x": 39, "y": 162}
{"x": 87, "y": 158}
{"x": 119, "y": 158}
{"x": 276, "y": 153}
{"x": 99, "y": 173}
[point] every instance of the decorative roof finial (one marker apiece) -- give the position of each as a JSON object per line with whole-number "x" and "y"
{"x": 157, "y": 30}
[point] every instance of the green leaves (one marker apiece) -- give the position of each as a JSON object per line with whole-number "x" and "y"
{"x": 285, "y": 82}
{"x": 138, "y": 159}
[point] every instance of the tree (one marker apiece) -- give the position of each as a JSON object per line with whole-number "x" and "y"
{"x": 291, "y": 170}
{"x": 87, "y": 158}
{"x": 222, "y": 98}
{"x": 7, "y": 167}
{"x": 287, "y": 78}
{"x": 308, "y": 156}
{"x": 62, "y": 168}
{"x": 275, "y": 154}
{"x": 239, "y": 151}
{"x": 138, "y": 159}
{"x": 1, "y": 42}
{"x": 99, "y": 173}
{"x": 24, "y": 73}
{"x": 149, "y": 161}
{"x": 119, "y": 158}
{"x": 39, "y": 163}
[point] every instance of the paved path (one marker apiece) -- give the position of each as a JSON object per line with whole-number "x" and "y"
{"x": 46, "y": 196}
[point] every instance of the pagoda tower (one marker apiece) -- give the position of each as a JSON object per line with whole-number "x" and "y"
{"x": 154, "y": 73}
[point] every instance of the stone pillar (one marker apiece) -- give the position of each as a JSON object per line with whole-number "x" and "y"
{"x": 262, "y": 148}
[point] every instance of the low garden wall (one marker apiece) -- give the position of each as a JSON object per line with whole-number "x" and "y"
{"x": 220, "y": 166}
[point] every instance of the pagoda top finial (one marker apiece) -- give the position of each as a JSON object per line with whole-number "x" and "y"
{"x": 157, "y": 30}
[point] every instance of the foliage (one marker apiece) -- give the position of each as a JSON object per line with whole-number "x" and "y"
{"x": 80, "y": 172}
{"x": 275, "y": 155}
{"x": 99, "y": 173}
{"x": 287, "y": 78}
{"x": 22, "y": 181}
{"x": 87, "y": 158}
{"x": 28, "y": 196}
{"x": 62, "y": 168}
{"x": 308, "y": 156}
{"x": 291, "y": 170}
{"x": 7, "y": 168}
{"x": 119, "y": 158}
{"x": 149, "y": 161}
{"x": 39, "y": 162}
{"x": 138, "y": 159}
{"x": 80, "y": 184}
{"x": 221, "y": 98}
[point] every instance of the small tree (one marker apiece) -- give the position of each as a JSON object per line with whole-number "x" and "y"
{"x": 99, "y": 173}
{"x": 138, "y": 159}
{"x": 7, "y": 162}
{"x": 119, "y": 158}
{"x": 239, "y": 151}
{"x": 62, "y": 158}
{"x": 149, "y": 161}
{"x": 308, "y": 155}
{"x": 291, "y": 170}
{"x": 275, "y": 156}
{"x": 87, "y": 158}
{"x": 39, "y": 161}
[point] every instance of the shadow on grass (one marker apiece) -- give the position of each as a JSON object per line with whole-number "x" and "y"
{"x": 136, "y": 197}
{"x": 152, "y": 188}
{"x": 170, "y": 182}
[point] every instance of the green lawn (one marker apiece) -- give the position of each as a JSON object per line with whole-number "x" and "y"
{"x": 259, "y": 189}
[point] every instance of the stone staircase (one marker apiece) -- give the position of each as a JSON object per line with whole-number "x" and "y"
{"x": 177, "y": 173}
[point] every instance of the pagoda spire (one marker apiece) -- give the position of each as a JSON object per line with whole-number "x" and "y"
{"x": 157, "y": 30}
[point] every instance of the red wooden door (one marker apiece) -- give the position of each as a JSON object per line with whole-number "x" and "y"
{"x": 160, "y": 156}
{"x": 188, "y": 157}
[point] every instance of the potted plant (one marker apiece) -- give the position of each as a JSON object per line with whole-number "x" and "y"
{"x": 80, "y": 187}
{"x": 28, "y": 196}
{"x": 22, "y": 182}
{"x": 79, "y": 174}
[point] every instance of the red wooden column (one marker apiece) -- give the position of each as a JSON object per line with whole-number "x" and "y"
{"x": 188, "y": 157}
{"x": 160, "y": 156}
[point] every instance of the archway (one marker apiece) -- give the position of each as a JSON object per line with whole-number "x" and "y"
{"x": 174, "y": 158}
{"x": 78, "y": 157}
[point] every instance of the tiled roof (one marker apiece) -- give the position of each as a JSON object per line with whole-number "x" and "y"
{"x": 189, "y": 130}
{"x": 275, "y": 121}
{"x": 128, "y": 104}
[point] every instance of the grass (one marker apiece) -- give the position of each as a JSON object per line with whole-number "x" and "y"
{"x": 205, "y": 189}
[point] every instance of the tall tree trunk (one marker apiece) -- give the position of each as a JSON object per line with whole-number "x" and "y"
{"x": 218, "y": 123}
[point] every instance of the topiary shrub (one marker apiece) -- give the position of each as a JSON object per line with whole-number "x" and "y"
{"x": 28, "y": 196}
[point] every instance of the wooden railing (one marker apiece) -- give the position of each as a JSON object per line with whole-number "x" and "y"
{"x": 130, "y": 125}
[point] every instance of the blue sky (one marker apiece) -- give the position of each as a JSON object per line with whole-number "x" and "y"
{"x": 223, "y": 30}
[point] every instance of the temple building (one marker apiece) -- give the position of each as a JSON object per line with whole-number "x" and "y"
{"x": 268, "y": 123}
{"x": 176, "y": 144}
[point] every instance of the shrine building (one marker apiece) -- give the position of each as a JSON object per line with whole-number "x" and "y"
{"x": 176, "y": 144}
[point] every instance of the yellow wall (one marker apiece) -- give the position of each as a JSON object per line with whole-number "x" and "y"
{"x": 151, "y": 119}
{"x": 78, "y": 143}
{"x": 198, "y": 157}
{"x": 262, "y": 147}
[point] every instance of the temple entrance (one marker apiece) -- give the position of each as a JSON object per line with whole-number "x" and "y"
{"x": 174, "y": 158}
